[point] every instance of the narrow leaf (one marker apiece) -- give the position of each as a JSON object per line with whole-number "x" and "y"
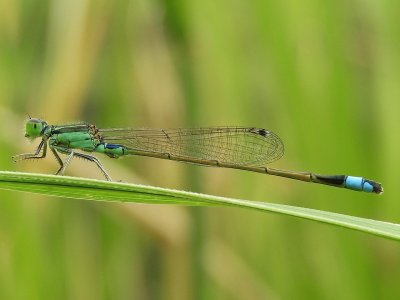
{"x": 91, "y": 189}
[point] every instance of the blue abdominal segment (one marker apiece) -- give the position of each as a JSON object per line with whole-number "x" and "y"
{"x": 349, "y": 182}
{"x": 359, "y": 184}
{"x": 111, "y": 150}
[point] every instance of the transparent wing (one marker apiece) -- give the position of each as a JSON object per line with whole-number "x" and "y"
{"x": 235, "y": 145}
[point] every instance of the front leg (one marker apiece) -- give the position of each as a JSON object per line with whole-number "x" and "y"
{"x": 43, "y": 144}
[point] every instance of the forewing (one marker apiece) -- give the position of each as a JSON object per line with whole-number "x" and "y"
{"x": 235, "y": 145}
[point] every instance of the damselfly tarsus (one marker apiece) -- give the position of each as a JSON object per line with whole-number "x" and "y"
{"x": 244, "y": 148}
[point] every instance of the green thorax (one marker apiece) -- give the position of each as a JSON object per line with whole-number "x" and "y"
{"x": 78, "y": 136}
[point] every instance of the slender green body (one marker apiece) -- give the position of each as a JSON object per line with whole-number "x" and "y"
{"x": 244, "y": 148}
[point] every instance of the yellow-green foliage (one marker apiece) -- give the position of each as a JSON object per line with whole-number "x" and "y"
{"x": 324, "y": 75}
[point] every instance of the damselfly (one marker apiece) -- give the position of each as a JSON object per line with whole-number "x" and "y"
{"x": 244, "y": 148}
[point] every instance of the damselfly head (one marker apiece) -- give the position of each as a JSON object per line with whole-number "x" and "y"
{"x": 34, "y": 128}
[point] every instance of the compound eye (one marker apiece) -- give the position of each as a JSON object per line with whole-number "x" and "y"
{"x": 33, "y": 128}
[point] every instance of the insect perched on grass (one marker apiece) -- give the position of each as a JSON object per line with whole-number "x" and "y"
{"x": 244, "y": 148}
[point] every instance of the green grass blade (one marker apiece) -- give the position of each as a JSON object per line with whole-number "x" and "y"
{"x": 91, "y": 189}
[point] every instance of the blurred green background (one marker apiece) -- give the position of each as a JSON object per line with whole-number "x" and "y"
{"x": 324, "y": 75}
